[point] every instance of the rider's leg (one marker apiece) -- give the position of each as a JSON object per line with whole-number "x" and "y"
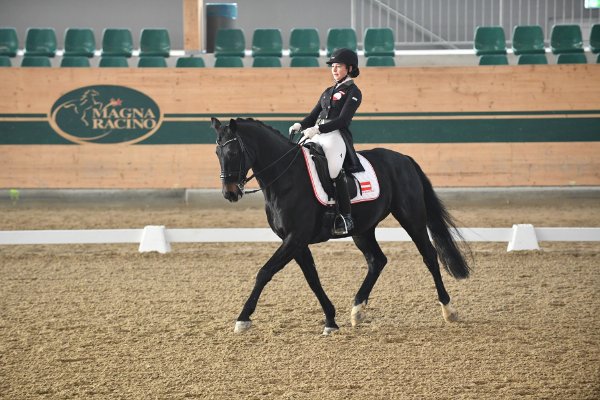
{"x": 343, "y": 223}
{"x": 335, "y": 150}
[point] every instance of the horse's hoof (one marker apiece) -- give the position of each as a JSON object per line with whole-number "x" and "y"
{"x": 449, "y": 312}
{"x": 358, "y": 314}
{"x": 242, "y": 326}
{"x": 330, "y": 330}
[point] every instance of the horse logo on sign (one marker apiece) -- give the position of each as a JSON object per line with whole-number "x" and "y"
{"x": 105, "y": 114}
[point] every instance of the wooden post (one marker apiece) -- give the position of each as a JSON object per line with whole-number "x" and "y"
{"x": 193, "y": 16}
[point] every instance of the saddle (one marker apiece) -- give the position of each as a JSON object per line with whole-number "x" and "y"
{"x": 318, "y": 156}
{"x": 362, "y": 186}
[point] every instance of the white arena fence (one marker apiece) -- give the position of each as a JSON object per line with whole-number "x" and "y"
{"x": 158, "y": 238}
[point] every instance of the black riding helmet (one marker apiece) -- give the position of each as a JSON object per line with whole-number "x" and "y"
{"x": 345, "y": 56}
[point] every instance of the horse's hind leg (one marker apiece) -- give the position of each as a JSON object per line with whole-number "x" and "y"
{"x": 376, "y": 260}
{"x": 418, "y": 233}
{"x": 307, "y": 264}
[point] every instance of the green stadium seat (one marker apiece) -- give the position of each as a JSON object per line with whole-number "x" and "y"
{"x": 595, "y": 39}
{"x": 155, "y": 43}
{"x": 381, "y": 61}
{"x": 566, "y": 39}
{"x": 152, "y": 62}
{"x": 113, "y": 62}
{"x": 532, "y": 59}
{"x": 304, "y": 42}
{"x": 267, "y": 42}
{"x": 79, "y": 42}
{"x": 36, "y": 61}
{"x": 340, "y": 37}
{"x": 230, "y": 43}
{"x": 117, "y": 42}
{"x": 40, "y": 42}
{"x": 190, "y": 62}
{"x": 266, "y": 62}
{"x": 303, "y": 61}
{"x": 571, "y": 58}
{"x": 489, "y": 40}
{"x": 75, "y": 61}
{"x": 229, "y": 62}
{"x": 9, "y": 42}
{"x": 5, "y": 61}
{"x": 493, "y": 59}
{"x": 528, "y": 39}
{"x": 379, "y": 42}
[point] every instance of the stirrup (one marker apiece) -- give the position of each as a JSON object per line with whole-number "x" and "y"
{"x": 343, "y": 224}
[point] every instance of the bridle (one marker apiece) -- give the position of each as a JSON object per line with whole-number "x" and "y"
{"x": 227, "y": 175}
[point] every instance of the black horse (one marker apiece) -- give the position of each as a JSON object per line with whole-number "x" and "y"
{"x": 296, "y": 216}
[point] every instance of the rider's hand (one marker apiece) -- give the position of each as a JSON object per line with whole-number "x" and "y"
{"x": 295, "y": 128}
{"x": 311, "y": 132}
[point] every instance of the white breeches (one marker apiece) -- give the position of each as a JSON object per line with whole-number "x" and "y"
{"x": 335, "y": 150}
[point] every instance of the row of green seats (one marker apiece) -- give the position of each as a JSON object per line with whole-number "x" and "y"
{"x": 229, "y": 42}
{"x": 532, "y": 59}
{"x": 183, "y": 62}
{"x": 528, "y": 44}
{"x": 82, "y": 42}
{"x": 107, "y": 61}
{"x": 304, "y": 42}
{"x": 529, "y": 39}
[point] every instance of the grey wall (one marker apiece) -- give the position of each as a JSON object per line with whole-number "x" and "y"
{"x": 138, "y": 14}
{"x": 453, "y": 20}
{"x": 288, "y": 14}
{"x": 61, "y": 14}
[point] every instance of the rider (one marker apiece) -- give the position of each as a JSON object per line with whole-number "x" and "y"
{"x": 328, "y": 123}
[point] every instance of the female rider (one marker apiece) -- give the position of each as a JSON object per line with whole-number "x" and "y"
{"x": 328, "y": 125}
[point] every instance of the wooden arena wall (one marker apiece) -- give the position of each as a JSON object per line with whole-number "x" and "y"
{"x": 466, "y": 126}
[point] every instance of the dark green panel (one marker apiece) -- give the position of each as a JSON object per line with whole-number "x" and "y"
{"x": 200, "y": 132}
{"x": 35, "y": 132}
{"x": 365, "y": 131}
{"x": 477, "y": 130}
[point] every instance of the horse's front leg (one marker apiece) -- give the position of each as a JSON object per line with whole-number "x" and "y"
{"x": 307, "y": 264}
{"x": 284, "y": 254}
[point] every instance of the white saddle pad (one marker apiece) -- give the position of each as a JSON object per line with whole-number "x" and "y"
{"x": 367, "y": 191}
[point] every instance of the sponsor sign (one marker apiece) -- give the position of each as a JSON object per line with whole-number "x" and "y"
{"x": 105, "y": 114}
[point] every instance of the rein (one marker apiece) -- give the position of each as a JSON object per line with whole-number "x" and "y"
{"x": 245, "y": 180}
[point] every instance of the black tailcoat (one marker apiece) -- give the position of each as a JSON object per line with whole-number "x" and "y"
{"x": 338, "y": 105}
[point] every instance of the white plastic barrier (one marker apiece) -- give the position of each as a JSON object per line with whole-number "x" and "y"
{"x": 158, "y": 238}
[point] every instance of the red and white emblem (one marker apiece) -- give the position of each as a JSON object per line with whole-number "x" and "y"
{"x": 366, "y": 186}
{"x": 338, "y": 95}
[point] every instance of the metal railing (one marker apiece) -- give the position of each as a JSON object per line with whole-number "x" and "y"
{"x": 450, "y": 24}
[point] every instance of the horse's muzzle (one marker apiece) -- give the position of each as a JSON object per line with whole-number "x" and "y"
{"x": 232, "y": 192}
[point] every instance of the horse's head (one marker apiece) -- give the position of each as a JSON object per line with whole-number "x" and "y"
{"x": 89, "y": 95}
{"x": 233, "y": 158}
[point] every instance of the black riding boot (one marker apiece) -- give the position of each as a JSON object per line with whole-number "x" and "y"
{"x": 343, "y": 223}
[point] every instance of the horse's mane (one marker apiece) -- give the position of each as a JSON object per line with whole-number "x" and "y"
{"x": 261, "y": 125}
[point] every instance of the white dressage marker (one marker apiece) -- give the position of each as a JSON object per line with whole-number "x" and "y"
{"x": 159, "y": 238}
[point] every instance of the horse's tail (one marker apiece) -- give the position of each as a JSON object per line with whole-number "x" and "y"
{"x": 439, "y": 222}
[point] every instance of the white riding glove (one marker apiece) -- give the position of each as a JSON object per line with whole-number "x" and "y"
{"x": 311, "y": 132}
{"x": 295, "y": 128}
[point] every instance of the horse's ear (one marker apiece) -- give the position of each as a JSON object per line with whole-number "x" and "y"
{"x": 215, "y": 123}
{"x": 232, "y": 125}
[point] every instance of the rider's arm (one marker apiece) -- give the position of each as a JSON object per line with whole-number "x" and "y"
{"x": 311, "y": 119}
